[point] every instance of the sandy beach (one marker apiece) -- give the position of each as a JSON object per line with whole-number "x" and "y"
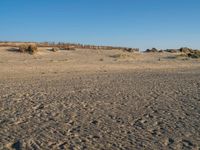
{"x": 98, "y": 99}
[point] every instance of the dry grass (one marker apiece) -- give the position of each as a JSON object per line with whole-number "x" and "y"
{"x": 31, "y": 49}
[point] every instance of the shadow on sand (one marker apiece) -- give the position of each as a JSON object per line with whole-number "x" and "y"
{"x": 170, "y": 57}
{"x": 16, "y": 50}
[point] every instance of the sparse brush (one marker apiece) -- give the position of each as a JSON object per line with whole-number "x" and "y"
{"x": 186, "y": 50}
{"x": 193, "y": 54}
{"x": 132, "y": 49}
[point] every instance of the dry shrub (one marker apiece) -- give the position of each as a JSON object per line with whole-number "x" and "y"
{"x": 132, "y": 49}
{"x": 25, "y": 48}
{"x": 32, "y": 48}
{"x": 186, "y": 50}
{"x": 194, "y": 54}
{"x": 153, "y": 50}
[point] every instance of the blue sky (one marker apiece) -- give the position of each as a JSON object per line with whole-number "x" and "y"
{"x": 133, "y": 23}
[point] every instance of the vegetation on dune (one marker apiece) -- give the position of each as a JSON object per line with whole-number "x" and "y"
{"x": 183, "y": 52}
{"x": 131, "y": 49}
{"x": 189, "y": 53}
{"x": 172, "y": 50}
{"x": 70, "y": 46}
{"x": 186, "y": 50}
{"x": 194, "y": 54}
{"x": 152, "y": 50}
{"x": 27, "y": 47}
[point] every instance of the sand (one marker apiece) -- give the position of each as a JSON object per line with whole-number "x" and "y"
{"x": 98, "y": 99}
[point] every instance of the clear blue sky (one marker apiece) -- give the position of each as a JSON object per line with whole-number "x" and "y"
{"x": 134, "y": 23}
